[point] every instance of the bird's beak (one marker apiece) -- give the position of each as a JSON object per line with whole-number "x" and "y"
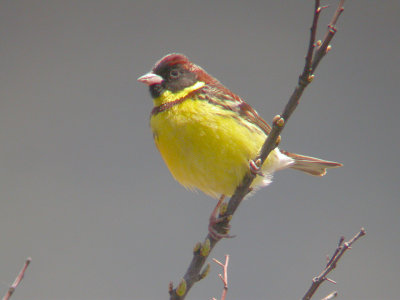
{"x": 150, "y": 79}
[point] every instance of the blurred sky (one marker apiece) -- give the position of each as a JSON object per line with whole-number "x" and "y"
{"x": 84, "y": 192}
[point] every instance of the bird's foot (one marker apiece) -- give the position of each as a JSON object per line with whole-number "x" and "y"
{"x": 255, "y": 167}
{"x": 215, "y": 233}
{"x": 216, "y": 219}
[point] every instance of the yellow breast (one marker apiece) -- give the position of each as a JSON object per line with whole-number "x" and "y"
{"x": 206, "y": 146}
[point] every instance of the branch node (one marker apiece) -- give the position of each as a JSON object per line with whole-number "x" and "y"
{"x": 304, "y": 79}
{"x": 330, "y": 280}
{"x": 224, "y": 277}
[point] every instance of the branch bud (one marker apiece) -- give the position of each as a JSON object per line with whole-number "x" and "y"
{"x": 181, "y": 288}
{"x": 205, "y": 272}
{"x": 196, "y": 247}
{"x": 205, "y": 248}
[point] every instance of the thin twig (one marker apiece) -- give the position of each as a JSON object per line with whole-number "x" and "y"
{"x": 202, "y": 250}
{"x": 331, "y": 296}
{"x": 340, "y": 250}
{"x": 224, "y": 277}
{"x": 324, "y": 48}
{"x": 17, "y": 280}
{"x": 341, "y": 241}
{"x": 311, "y": 44}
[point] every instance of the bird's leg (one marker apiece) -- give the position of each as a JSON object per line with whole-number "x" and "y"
{"x": 216, "y": 219}
{"x": 255, "y": 168}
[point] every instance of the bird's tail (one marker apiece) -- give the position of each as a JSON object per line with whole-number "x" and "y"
{"x": 311, "y": 165}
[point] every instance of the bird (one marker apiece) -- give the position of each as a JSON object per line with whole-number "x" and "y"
{"x": 208, "y": 136}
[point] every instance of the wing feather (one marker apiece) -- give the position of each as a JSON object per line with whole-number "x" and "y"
{"x": 219, "y": 95}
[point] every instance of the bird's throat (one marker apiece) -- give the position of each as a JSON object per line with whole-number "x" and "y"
{"x": 168, "y": 99}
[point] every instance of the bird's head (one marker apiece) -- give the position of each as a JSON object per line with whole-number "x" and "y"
{"x": 174, "y": 72}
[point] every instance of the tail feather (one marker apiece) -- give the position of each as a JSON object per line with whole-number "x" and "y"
{"x": 310, "y": 165}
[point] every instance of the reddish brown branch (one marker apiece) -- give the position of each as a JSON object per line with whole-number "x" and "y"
{"x": 17, "y": 280}
{"x": 311, "y": 43}
{"x": 194, "y": 273}
{"x": 224, "y": 277}
{"x": 324, "y": 46}
{"x": 340, "y": 250}
{"x": 331, "y": 296}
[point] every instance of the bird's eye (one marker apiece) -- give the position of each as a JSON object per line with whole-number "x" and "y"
{"x": 174, "y": 74}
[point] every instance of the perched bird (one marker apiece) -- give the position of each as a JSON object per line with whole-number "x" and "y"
{"x": 207, "y": 135}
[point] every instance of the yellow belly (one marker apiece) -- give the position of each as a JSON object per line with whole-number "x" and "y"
{"x": 207, "y": 147}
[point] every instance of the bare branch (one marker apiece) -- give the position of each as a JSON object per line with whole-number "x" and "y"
{"x": 311, "y": 44}
{"x": 224, "y": 277}
{"x": 340, "y": 250}
{"x": 202, "y": 250}
{"x": 331, "y": 296}
{"x": 324, "y": 48}
{"x": 17, "y": 280}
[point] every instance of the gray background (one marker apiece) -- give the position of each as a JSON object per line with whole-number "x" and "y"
{"x": 85, "y": 193}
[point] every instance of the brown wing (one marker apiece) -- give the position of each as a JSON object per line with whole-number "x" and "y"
{"x": 219, "y": 95}
{"x": 252, "y": 116}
